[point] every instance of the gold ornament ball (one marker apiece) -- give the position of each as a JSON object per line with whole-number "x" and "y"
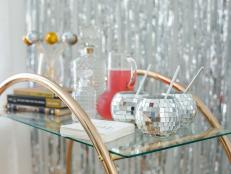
{"x": 51, "y": 38}
{"x": 26, "y": 41}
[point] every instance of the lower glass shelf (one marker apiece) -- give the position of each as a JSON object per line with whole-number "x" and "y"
{"x": 136, "y": 144}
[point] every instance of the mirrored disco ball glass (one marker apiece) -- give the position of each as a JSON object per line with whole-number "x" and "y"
{"x": 188, "y": 108}
{"x": 158, "y": 116}
{"x": 124, "y": 104}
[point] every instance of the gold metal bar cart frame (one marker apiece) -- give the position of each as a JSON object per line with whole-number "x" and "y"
{"x": 104, "y": 156}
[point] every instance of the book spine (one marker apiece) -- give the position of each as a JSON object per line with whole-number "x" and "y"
{"x": 34, "y": 93}
{"x": 26, "y": 100}
{"x": 42, "y": 110}
{"x": 54, "y": 103}
{"x": 34, "y": 101}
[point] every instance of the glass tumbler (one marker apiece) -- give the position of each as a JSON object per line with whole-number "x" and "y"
{"x": 124, "y": 104}
{"x": 158, "y": 116}
{"x": 188, "y": 108}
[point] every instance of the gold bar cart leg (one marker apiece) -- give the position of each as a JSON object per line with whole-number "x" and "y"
{"x": 69, "y": 147}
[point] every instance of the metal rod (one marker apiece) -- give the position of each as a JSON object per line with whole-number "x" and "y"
{"x": 69, "y": 148}
{"x": 143, "y": 80}
{"x": 193, "y": 80}
{"x": 172, "y": 81}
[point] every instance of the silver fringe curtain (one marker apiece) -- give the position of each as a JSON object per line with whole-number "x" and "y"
{"x": 165, "y": 33}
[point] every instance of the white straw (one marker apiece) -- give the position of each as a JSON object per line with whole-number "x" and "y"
{"x": 172, "y": 81}
{"x": 194, "y": 78}
{"x": 143, "y": 80}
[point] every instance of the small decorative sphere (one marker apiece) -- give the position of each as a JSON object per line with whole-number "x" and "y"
{"x": 124, "y": 104}
{"x": 26, "y": 41}
{"x": 69, "y": 38}
{"x": 51, "y": 38}
{"x": 31, "y": 38}
{"x": 188, "y": 108}
{"x": 158, "y": 116}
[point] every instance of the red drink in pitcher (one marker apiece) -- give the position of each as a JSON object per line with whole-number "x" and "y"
{"x": 119, "y": 79}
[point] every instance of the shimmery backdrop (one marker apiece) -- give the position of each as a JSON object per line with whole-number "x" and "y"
{"x": 162, "y": 32}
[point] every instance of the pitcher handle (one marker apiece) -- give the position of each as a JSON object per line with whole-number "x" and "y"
{"x": 132, "y": 81}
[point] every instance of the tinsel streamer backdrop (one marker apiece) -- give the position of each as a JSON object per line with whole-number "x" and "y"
{"x": 165, "y": 33}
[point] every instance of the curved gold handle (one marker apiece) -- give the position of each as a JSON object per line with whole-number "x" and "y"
{"x": 83, "y": 118}
{"x": 201, "y": 106}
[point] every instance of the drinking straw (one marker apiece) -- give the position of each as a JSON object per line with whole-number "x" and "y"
{"x": 172, "y": 81}
{"x": 194, "y": 78}
{"x": 143, "y": 80}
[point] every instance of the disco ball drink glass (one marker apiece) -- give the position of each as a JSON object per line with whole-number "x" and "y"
{"x": 158, "y": 116}
{"x": 124, "y": 104}
{"x": 188, "y": 108}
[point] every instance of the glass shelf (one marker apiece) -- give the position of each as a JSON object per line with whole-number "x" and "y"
{"x": 130, "y": 146}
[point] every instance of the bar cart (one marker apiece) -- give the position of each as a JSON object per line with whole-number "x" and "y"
{"x": 138, "y": 144}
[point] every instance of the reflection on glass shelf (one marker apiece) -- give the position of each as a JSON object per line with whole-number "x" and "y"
{"x": 132, "y": 145}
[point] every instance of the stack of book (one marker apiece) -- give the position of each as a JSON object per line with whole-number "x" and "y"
{"x": 38, "y": 100}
